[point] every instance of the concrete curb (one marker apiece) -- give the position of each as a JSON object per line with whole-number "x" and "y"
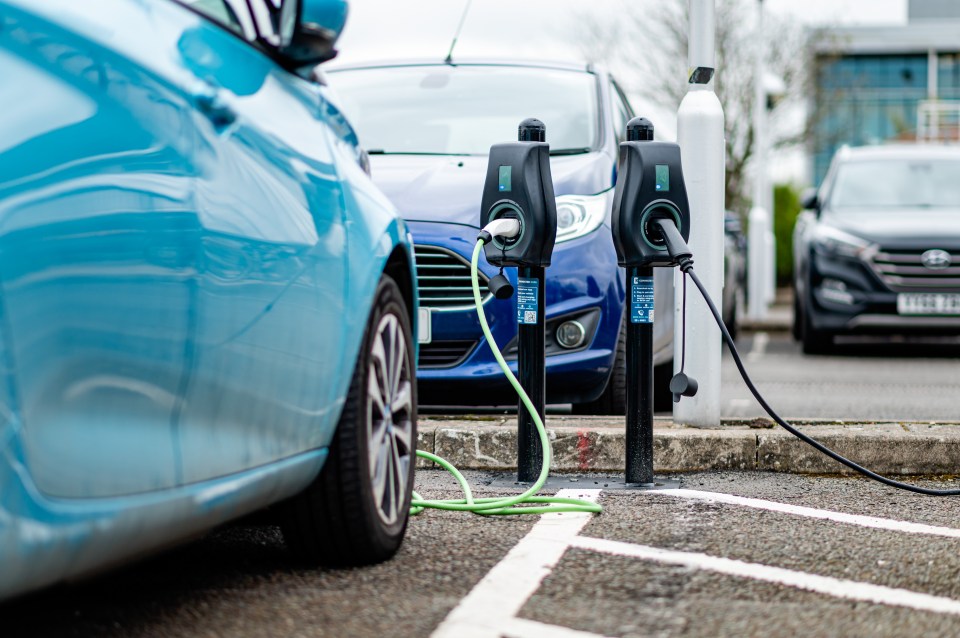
{"x": 596, "y": 444}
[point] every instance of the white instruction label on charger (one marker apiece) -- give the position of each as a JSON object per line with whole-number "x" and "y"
{"x": 527, "y": 300}
{"x": 641, "y": 300}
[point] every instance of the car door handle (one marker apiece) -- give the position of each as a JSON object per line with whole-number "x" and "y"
{"x": 209, "y": 100}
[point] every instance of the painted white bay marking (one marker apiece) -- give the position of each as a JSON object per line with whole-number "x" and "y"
{"x": 759, "y": 348}
{"x": 523, "y": 628}
{"x": 839, "y": 588}
{"x": 810, "y": 512}
{"x": 491, "y": 607}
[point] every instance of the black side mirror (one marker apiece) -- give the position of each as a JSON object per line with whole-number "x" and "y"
{"x": 810, "y": 200}
{"x": 314, "y": 26}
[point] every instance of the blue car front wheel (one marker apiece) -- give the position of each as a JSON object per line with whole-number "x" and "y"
{"x": 356, "y": 511}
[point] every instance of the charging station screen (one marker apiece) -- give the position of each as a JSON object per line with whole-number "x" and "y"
{"x": 505, "y": 176}
{"x": 662, "y": 183}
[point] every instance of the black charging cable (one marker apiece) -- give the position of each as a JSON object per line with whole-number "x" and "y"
{"x": 679, "y": 251}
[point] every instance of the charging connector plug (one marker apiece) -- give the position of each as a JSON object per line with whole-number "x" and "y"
{"x": 676, "y": 247}
{"x": 505, "y": 228}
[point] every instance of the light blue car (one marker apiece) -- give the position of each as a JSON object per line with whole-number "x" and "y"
{"x": 206, "y": 307}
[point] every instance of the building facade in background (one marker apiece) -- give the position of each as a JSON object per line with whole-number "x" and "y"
{"x": 874, "y": 85}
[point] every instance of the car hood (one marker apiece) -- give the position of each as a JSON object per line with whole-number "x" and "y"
{"x": 903, "y": 227}
{"x": 448, "y": 188}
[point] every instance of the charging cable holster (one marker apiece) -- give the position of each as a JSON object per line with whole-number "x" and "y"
{"x": 650, "y": 186}
{"x": 519, "y": 185}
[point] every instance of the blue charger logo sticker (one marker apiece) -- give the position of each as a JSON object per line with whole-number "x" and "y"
{"x": 641, "y": 300}
{"x": 527, "y": 300}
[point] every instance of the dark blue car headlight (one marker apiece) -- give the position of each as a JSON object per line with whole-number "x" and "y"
{"x": 833, "y": 242}
{"x": 579, "y": 215}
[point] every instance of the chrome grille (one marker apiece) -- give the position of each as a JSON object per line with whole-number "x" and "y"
{"x": 444, "y": 354}
{"x": 903, "y": 271}
{"x": 443, "y": 278}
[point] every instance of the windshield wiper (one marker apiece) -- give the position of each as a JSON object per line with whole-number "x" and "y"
{"x": 569, "y": 151}
{"x": 380, "y": 151}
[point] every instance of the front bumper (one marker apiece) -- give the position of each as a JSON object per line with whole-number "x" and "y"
{"x": 583, "y": 278}
{"x": 846, "y": 296}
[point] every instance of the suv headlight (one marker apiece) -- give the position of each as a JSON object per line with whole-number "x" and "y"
{"x": 832, "y": 241}
{"x": 579, "y": 215}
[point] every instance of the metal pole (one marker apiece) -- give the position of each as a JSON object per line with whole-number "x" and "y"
{"x": 700, "y": 135}
{"x": 759, "y": 250}
{"x": 639, "y": 439}
{"x": 531, "y": 362}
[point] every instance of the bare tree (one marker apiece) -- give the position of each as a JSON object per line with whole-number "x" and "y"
{"x": 647, "y": 48}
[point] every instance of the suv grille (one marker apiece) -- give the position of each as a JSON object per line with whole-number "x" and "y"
{"x": 903, "y": 271}
{"x": 444, "y": 354}
{"x": 444, "y": 279}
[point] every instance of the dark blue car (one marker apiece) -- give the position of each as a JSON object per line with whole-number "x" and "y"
{"x": 428, "y": 127}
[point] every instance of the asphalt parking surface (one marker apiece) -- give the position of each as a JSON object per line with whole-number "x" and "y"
{"x": 862, "y": 378}
{"x": 240, "y": 582}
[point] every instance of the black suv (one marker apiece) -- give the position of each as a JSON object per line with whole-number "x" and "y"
{"x": 878, "y": 250}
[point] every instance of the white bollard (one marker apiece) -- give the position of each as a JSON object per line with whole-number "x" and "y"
{"x": 761, "y": 258}
{"x": 757, "y": 265}
{"x": 771, "y": 244}
{"x": 700, "y": 135}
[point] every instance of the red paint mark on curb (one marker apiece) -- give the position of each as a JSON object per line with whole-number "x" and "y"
{"x": 584, "y": 453}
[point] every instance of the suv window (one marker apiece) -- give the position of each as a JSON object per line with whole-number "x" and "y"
{"x": 897, "y": 183}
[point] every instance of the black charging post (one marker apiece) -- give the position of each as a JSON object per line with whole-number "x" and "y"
{"x": 649, "y": 187}
{"x": 519, "y": 185}
{"x": 639, "y": 434}
{"x": 531, "y": 342}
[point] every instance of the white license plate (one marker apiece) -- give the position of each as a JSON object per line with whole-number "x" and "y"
{"x": 424, "y": 326}
{"x": 928, "y": 303}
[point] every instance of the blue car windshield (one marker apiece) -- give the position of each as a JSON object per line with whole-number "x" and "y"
{"x": 463, "y": 110}
{"x": 897, "y": 183}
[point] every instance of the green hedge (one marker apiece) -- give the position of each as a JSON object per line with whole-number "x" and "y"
{"x": 786, "y": 207}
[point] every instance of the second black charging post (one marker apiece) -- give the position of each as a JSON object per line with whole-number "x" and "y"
{"x": 650, "y": 187}
{"x": 639, "y": 359}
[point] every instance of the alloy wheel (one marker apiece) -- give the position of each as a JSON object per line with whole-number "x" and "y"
{"x": 389, "y": 418}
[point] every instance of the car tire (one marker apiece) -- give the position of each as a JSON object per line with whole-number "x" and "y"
{"x": 797, "y": 327}
{"x": 356, "y": 510}
{"x": 814, "y": 341}
{"x": 614, "y": 397}
{"x": 662, "y": 397}
{"x": 613, "y": 401}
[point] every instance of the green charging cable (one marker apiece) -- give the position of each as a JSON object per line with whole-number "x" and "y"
{"x": 528, "y": 502}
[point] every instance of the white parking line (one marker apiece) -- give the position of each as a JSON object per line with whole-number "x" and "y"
{"x": 810, "y": 512}
{"x": 839, "y": 588}
{"x": 490, "y": 609}
{"x": 523, "y": 628}
{"x": 760, "y": 341}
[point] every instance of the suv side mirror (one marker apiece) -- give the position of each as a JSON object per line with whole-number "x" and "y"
{"x": 810, "y": 200}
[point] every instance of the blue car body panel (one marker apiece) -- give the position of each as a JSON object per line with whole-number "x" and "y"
{"x": 183, "y": 287}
